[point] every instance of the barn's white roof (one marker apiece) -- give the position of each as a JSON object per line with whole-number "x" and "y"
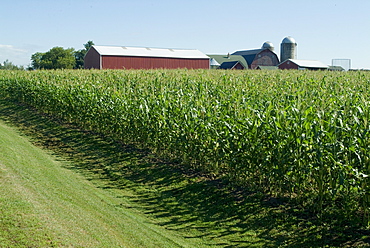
{"x": 309, "y": 63}
{"x": 150, "y": 52}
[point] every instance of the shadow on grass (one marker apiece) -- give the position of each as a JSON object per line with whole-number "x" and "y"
{"x": 178, "y": 198}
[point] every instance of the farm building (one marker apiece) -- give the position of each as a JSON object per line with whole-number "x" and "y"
{"x": 288, "y": 49}
{"x": 119, "y": 57}
{"x": 302, "y": 65}
{"x": 233, "y": 62}
{"x": 260, "y": 57}
{"x": 269, "y": 68}
{"x": 336, "y": 68}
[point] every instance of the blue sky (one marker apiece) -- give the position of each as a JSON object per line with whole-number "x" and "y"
{"x": 323, "y": 29}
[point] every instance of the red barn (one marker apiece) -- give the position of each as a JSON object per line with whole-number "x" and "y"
{"x": 118, "y": 57}
{"x": 260, "y": 57}
{"x": 297, "y": 64}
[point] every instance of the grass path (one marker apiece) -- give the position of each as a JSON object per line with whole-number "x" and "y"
{"x": 43, "y": 204}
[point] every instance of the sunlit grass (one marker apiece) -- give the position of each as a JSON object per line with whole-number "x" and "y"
{"x": 43, "y": 204}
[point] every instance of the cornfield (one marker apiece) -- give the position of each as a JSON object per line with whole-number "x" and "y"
{"x": 296, "y": 134}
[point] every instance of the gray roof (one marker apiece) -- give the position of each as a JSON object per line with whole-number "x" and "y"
{"x": 248, "y": 52}
{"x": 230, "y": 64}
{"x": 308, "y": 63}
{"x": 264, "y": 67}
{"x": 249, "y": 55}
{"x": 336, "y": 68}
{"x": 288, "y": 39}
{"x": 150, "y": 52}
{"x": 214, "y": 62}
{"x": 268, "y": 45}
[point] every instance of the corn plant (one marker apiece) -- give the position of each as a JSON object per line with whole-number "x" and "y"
{"x": 303, "y": 135}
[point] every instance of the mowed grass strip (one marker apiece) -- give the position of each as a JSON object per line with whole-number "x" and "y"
{"x": 43, "y": 204}
{"x": 187, "y": 208}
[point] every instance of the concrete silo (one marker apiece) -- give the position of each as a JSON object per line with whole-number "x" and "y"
{"x": 288, "y": 49}
{"x": 268, "y": 45}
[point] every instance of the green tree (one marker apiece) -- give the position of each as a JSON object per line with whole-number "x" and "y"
{"x": 7, "y": 65}
{"x": 36, "y": 60}
{"x": 55, "y": 58}
{"x": 80, "y": 54}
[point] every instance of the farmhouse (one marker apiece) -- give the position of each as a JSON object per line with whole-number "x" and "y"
{"x": 302, "y": 65}
{"x": 119, "y": 57}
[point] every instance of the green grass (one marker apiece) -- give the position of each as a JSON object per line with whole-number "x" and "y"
{"x": 45, "y": 204}
{"x": 122, "y": 196}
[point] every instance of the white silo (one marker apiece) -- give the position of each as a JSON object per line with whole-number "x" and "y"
{"x": 268, "y": 45}
{"x": 288, "y": 49}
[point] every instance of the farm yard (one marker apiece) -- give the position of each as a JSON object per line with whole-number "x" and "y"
{"x": 297, "y": 140}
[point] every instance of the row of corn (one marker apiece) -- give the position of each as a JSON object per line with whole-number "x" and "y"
{"x": 301, "y": 135}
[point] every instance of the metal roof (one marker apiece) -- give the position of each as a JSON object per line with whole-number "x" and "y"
{"x": 225, "y": 58}
{"x": 336, "y": 68}
{"x": 214, "y": 62}
{"x": 248, "y": 52}
{"x": 267, "y": 67}
{"x": 267, "y": 45}
{"x": 150, "y": 52}
{"x": 230, "y": 65}
{"x": 309, "y": 63}
{"x": 249, "y": 55}
{"x": 288, "y": 39}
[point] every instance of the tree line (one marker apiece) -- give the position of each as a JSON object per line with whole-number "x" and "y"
{"x": 55, "y": 58}
{"x": 7, "y": 65}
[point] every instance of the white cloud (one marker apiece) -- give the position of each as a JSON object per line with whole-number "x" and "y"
{"x": 11, "y": 48}
{"x": 14, "y": 54}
